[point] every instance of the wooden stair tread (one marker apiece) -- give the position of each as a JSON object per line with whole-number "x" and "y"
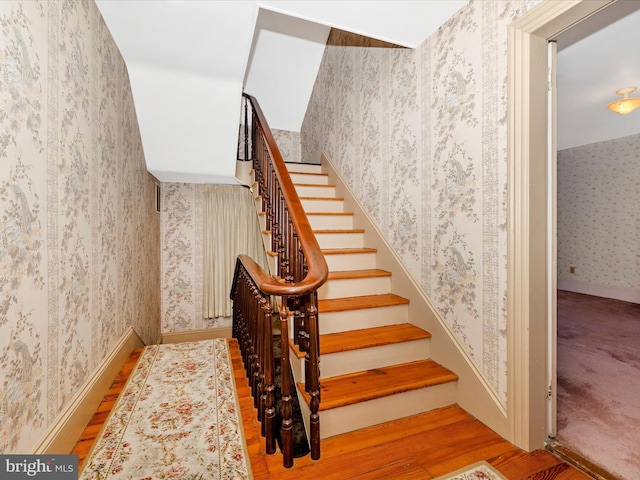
{"x": 380, "y": 382}
{"x": 365, "y": 338}
{"x": 320, "y": 185}
{"x": 309, "y": 173}
{"x": 328, "y": 199}
{"x": 337, "y": 230}
{"x": 370, "y": 337}
{"x": 364, "y": 301}
{"x": 346, "y": 251}
{"x": 330, "y": 213}
{"x": 348, "y": 274}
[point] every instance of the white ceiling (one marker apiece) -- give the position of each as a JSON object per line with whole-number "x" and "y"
{"x": 595, "y": 58}
{"x": 190, "y": 60}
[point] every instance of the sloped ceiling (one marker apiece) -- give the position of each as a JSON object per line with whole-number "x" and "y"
{"x": 190, "y": 60}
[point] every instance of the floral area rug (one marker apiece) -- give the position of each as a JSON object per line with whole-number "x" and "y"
{"x": 477, "y": 471}
{"x": 177, "y": 418}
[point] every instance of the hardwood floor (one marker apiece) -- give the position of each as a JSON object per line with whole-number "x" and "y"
{"x": 419, "y": 447}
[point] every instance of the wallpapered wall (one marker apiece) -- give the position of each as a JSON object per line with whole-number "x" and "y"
{"x": 598, "y": 220}
{"x": 420, "y": 136}
{"x": 181, "y": 236}
{"x": 79, "y": 250}
{"x": 288, "y": 144}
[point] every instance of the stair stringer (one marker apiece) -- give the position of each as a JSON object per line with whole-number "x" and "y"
{"x": 473, "y": 392}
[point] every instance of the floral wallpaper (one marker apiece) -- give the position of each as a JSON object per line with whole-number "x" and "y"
{"x": 79, "y": 250}
{"x": 182, "y": 212}
{"x": 420, "y": 137}
{"x": 289, "y": 144}
{"x": 598, "y": 221}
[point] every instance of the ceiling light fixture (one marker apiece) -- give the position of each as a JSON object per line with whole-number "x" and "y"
{"x": 626, "y": 104}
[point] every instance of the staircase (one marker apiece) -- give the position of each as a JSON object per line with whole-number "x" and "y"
{"x": 375, "y": 364}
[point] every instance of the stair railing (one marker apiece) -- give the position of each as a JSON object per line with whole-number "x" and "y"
{"x": 299, "y": 271}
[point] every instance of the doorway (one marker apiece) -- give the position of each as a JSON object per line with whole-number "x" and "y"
{"x": 529, "y": 351}
{"x": 527, "y": 252}
{"x": 597, "y": 322}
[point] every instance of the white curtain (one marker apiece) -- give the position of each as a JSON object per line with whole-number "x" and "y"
{"x": 230, "y": 228}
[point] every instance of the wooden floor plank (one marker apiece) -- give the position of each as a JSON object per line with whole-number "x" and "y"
{"x": 520, "y": 464}
{"x": 419, "y": 447}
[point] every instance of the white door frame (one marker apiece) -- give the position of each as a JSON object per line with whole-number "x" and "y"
{"x": 527, "y": 252}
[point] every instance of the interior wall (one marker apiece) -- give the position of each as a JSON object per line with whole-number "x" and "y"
{"x": 598, "y": 197}
{"x": 288, "y": 144}
{"x": 181, "y": 238}
{"x": 181, "y": 246}
{"x": 420, "y": 137}
{"x": 79, "y": 252}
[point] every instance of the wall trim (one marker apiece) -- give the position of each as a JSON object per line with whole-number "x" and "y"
{"x": 626, "y": 294}
{"x": 527, "y": 283}
{"x": 63, "y": 434}
{"x": 474, "y": 394}
{"x": 197, "y": 335}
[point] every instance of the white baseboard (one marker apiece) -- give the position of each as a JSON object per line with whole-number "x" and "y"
{"x": 63, "y": 434}
{"x": 196, "y": 335}
{"x": 625, "y": 294}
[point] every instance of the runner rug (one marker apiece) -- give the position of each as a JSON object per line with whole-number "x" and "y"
{"x": 177, "y": 417}
{"x": 481, "y": 470}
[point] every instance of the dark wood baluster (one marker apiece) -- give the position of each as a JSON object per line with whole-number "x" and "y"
{"x": 298, "y": 319}
{"x": 313, "y": 380}
{"x": 303, "y": 333}
{"x": 269, "y": 417}
{"x": 254, "y": 378}
{"x": 286, "y": 430}
{"x": 290, "y": 249}
{"x": 246, "y": 301}
{"x": 246, "y": 131}
{"x": 259, "y": 398}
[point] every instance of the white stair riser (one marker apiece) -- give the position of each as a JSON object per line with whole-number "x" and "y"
{"x": 304, "y": 167}
{"x": 313, "y": 191}
{"x": 320, "y": 222}
{"x": 322, "y": 205}
{"x": 330, "y": 240}
{"x": 361, "y": 415}
{"x": 340, "y": 240}
{"x": 350, "y": 261}
{"x": 354, "y": 287}
{"x": 333, "y": 322}
{"x": 323, "y": 222}
{"x": 271, "y": 260}
{"x": 342, "y": 363}
{"x": 309, "y": 179}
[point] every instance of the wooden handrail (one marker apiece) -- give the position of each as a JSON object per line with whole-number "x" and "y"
{"x": 317, "y": 266}
{"x": 300, "y": 270}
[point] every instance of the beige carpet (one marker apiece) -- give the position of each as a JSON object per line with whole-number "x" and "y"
{"x": 599, "y": 381}
{"x": 177, "y": 418}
